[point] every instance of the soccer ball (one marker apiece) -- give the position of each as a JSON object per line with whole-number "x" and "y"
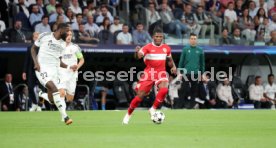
{"x": 158, "y": 117}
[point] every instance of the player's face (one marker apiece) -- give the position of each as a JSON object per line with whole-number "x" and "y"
{"x": 193, "y": 40}
{"x": 158, "y": 38}
{"x": 63, "y": 33}
{"x": 69, "y": 36}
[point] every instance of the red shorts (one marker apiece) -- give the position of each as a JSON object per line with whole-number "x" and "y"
{"x": 146, "y": 84}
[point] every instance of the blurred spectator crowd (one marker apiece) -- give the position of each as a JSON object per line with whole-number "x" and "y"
{"x": 227, "y": 22}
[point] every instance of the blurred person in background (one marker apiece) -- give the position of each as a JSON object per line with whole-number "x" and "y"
{"x": 29, "y": 76}
{"x": 272, "y": 41}
{"x": 59, "y": 20}
{"x": 140, "y": 36}
{"x": 189, "y": 21}
{"x": 116, "y": 25}
{"x": 35, "y": 16}
{"x": 259, "y": 18}
{"x": 153, "y": 17}
{"x": 22, "y": 99}
{"x": 252, "y": 9}
{"x": 106, "y": 24}
{"x": 16, "y": 34}
{"x": 71, "y": 16}
{"x": 224, "y": 39}
{"x": 43, "y": 26}
{"x": 207, "y": 93}
{"x": 84, "y": 37}
{"x": 75, "y": 25}
{"x": 263, "y": 32}
{"x": 270, "y": 90}
{"x": 7, "y": 94}
{"x": 51, "y": 7}
{"x": 59, "y": 11}
{"x": 205, "y": 22}
{"x": 256, "y": 94}
{"x": 247, "y": 26}
{"x": 230, "y": 17}
{"x": 272, "y": 23}
{"x": 74, "y": 6}
{"x": 104, "y": 13}
{"x": 174, "y": 86}
{"x": 91, "y": 27}
{"x": 171, "y": 24}
{"x": 237, "y": 39}
{"x": 124, "y": 37}
{"x": 224, "y": 92}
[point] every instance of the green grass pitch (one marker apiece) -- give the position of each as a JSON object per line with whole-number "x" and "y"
{"x": 103, "y": 129}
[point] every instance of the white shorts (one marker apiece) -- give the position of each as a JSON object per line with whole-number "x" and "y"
{"x": 68, "y": 80}
{"x": 48, "y": 73}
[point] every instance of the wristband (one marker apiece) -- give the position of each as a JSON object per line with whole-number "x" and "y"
{"x": 68, "y": 67}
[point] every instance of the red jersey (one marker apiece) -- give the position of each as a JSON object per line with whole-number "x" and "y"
{"x": 155, "y": 59}
{"x": 155, "y": 56}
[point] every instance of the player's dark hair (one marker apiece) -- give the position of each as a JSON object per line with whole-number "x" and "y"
{"x": 192, "y": 34}
{"x": 157, "y": 30}
{"x": 62, "y": 26}
{"x": 270, "y": 75}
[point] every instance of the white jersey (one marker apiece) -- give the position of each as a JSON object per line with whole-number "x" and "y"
{"x": 50, "y": 49}
{"x": 70, "y": 57}
{"x": 270, "y": 90}
{"x": 70, "y": 54}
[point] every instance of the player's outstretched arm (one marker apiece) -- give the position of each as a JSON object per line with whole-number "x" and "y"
{"x": 34, "y": 50}
{"x": 137, "y": 54}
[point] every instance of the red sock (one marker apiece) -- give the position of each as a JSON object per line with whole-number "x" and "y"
{"x": 134, "y": 103}
{"x": 160, "y": 97}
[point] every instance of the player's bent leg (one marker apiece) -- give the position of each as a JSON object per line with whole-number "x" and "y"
{"x": 160, "y": 97}
{"x": 136, "y": 101}
{"x": 62, "y": 93}
{"x": 58, "y": 102}
{"x": 62, "y": 96}
{"x": 134, "y": 104}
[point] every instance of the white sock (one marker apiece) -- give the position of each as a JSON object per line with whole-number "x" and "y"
{"x": 59, "y": 104}
{"x": 63, "y": 102}
{"x": 45, "y": 97}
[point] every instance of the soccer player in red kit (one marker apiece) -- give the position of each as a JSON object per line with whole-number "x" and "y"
{"x": 155, "y": 55}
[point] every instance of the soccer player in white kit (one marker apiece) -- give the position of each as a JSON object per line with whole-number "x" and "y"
{"x": 47, "y": 64}
{"x": 68, "y": 78}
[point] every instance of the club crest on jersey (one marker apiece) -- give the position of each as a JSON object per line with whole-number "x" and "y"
{"x": 165, "y": 50}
